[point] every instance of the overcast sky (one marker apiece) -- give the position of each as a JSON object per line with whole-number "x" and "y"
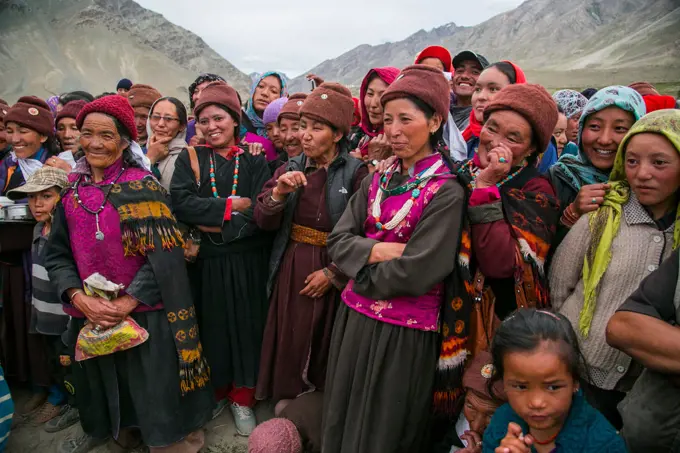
{"x": 295, "y": 35}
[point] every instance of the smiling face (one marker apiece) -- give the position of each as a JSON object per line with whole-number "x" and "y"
{"x": 489, "y": 83}
{"x": 375, "y": 89}
{"x": 100, "y": 141}
{"x": 68, "y": 134}
{"x": 267, "y": 90}
{"x": 318, "y": 138}
{"x": 653, "y": 172}
{"x": 217, "y": 126}
{"x": 42, "y": 203}
{"x": 465, "y": 78}
{"x": 509, "y": 128}
{"x": 560, "y": 133}
{"x": 602, "y": 133}
{"x": 25, "y": 142}
{"x": 540, "y": 388}
{"x": 164, "y": 120}
{"x": 290, "y": 134}
{"x": 408, "y": 129}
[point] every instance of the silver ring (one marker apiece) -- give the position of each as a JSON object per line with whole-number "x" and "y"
{"x": 479, "y": 444}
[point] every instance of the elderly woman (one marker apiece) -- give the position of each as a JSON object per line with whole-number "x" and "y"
{"x": 573, "y": 103}
{"x": 230, "y": 274}
{"x": 608, "y": 253}
{"x": 266, "y": 88}
{"x": 166, "y": 128}
{"x": 114, "y": 221}
{"x": 303, "y": 201}
{"x": 397, "y": 242}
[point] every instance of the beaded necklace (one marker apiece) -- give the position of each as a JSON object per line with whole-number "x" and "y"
{"x": 415, "y": 187}
{"x": 474, "y": 172}
{"x": 99, "y": 235}
{"x": 213, "y": 184}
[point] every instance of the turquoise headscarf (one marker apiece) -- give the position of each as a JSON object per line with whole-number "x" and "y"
{"x": 257, "y": 121}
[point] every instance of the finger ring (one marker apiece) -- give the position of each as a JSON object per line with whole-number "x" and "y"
{"x": 479, "y": 443}
{"x": 594, "y": 201}
{"x": 502, "y": 160}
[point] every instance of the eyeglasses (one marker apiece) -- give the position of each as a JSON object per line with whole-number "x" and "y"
{"x": 158, "y": 118}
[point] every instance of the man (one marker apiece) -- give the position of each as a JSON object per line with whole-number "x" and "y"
{"x": 141, "y": 98}
{"x": 467, "y": 66}
{"x": 123, "y": 87}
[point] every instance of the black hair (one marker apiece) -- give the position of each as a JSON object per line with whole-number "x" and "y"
{"x": 106, "y": 93}
{"x": 589, "y": 92}
{"x": 560, "y": 110}
{"x": 507, "y": 69}
{"x": 438, "y": 136}
{"x": 75, "y": 96}
{"x": 51, "y": 145}
{"x": 179, "y": 106}
{"x": 237, "y": 127}
{"x": 525, "y": 329}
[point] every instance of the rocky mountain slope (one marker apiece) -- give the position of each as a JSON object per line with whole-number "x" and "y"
{"x": 557, "y": 42}
{"x": 52, "y": 46}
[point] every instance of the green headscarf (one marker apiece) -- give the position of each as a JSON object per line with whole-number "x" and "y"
{"x": 605, "y": 222}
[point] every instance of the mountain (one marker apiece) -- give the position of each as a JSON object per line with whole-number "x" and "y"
{"x": 574, "y": 43}
{"x": 53, "y": 46}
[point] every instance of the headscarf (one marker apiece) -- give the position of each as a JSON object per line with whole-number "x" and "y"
{"x": 475, "y": 127}
{"x": 654, "y": 102}
{"x": 249, "y": 110}
{"x": 578, "y": 171}
{"x": 571, "y": 101}
{"x": 53, "y": 102}
{"x": 205, "y": 77}
{"x": 605, "y": 222}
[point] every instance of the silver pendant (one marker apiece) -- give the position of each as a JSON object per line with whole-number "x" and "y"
{"x": 99, "y": 236}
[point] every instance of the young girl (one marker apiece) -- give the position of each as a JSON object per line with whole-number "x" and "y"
{"x": 536, "y": 355}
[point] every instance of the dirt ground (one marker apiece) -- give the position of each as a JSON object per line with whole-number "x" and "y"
{"x": 221, "y": 434}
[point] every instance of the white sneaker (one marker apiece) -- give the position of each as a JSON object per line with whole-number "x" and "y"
{"x": 245, "y": 420}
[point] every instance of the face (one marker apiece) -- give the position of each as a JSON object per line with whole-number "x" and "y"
{"x": 560, "y": 133}
{"x": 42, "y": 204}
{"x": 465, "y": 78}
{"x": 164, "y": 120}
{"x": 489, "y": 83}
{"x": 266, "y": 91}
{"x": 541, "y": 394}
{"x": 433, "y": 62}
{"x": 68, "y": 134}
{"x": 25, "y": 142}
{"x": 197, "y": 92}
{"x": 603, "y": 131}
{"x": 3, "y": 136}
{"x": 123, "y": 91}
{"x": 274, "y": 134}
{"x": 572, "y": 128}
{"x": 217, "y": 127}
{"x": 100, "y": 140}
{"x": 478, "y": 411}
{"x": 653, "y": 171}
{"x": 407, "y": 128}
{"x": 290, "y": 134}
{"x": 509, "y": 128}
{"x": 374, "y": 91}
{"x": 141, "y": 116}
{"x": 317, "y": 138}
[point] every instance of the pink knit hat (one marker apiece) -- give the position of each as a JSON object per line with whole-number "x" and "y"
{"x": 278, "y": 435}
{"x": 112, "y": 105}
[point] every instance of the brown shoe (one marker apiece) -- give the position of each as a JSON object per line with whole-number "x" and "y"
{"x": 44, "y": 414}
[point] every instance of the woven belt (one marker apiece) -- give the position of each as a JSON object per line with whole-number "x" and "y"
{"x": 309, "y": 236}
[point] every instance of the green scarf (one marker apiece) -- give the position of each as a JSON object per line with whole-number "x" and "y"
{"x": 605, "y": 222}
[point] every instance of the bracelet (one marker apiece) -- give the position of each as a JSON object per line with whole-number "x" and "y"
{"x": 329, "y": 275}
{"x": 75, "y": 293}
{"x": 274, "y": 199}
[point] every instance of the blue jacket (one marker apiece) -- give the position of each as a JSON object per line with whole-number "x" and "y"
{"x": 585, "y": 430}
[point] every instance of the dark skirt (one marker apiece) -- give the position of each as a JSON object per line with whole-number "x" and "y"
{"x": 230, "y": 294}
{"x": 139, "y": 387}
{"x": 379, "y": 388}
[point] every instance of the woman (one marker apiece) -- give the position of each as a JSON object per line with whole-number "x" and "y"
{"x": 560, "y": 132}
{"x": 397, "y": 252}
{"x": 303, "y": 201}
{"x": 230, "y": 274}
{"x": 369, "y": 141}
{"x": 606, "y": 255}
{"x": 167, "y": 129}
{"x": 29, "y": 127}
{"x": 289, "y": 125}
{"x": 68, "y": 135}
{"x": 573, "y": 103}
{"x": 114, "y": 221}
{"x": 435, "y": 56}
{"x": 267, "y": 87}
{"x": 580, "y": 181}
{"x": 490, "y": 82}
{"x": 195, "y": 89}
{"x": 271, "y": 123}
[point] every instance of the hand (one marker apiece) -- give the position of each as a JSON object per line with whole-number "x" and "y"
{"x": 386, "y": 251}
{"x": 496, "y": 170}
{"x": 514, "y": 441}
{"x": 195, "y": 140}
{"x": 57, "y": 162}
{"x": 474, "y": 442}
{"x": 379, "y": 148}
{"x": 124, "y": 305}
{"x": 584, "y": 200}
{"x": 383, "y": 165}
{"x": 288, "y": 183}
{"x": 313, "y": 77}
{"x": 356, "y": 154}
{"x": 255, "y": 149}
{"x": 317, "y": 285}
{"x": 97, "y": 310}
{"x": 240, "y": 204}
{"x": 157, "y": 148}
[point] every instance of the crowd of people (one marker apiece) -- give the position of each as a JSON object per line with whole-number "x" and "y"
{"x": 456, "y": 260}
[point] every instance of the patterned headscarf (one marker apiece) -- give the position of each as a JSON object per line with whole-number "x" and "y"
{"x": 53, "y": 102}
{"x": 572, "y": 102}
{"x": 605, "y": 222}
{"x": 256, "y": 121}
{"x": 206, "y": 77}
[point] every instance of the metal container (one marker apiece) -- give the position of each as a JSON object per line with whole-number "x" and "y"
{"x": 2, "y": 214}
{"x": 17, "y": 212}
